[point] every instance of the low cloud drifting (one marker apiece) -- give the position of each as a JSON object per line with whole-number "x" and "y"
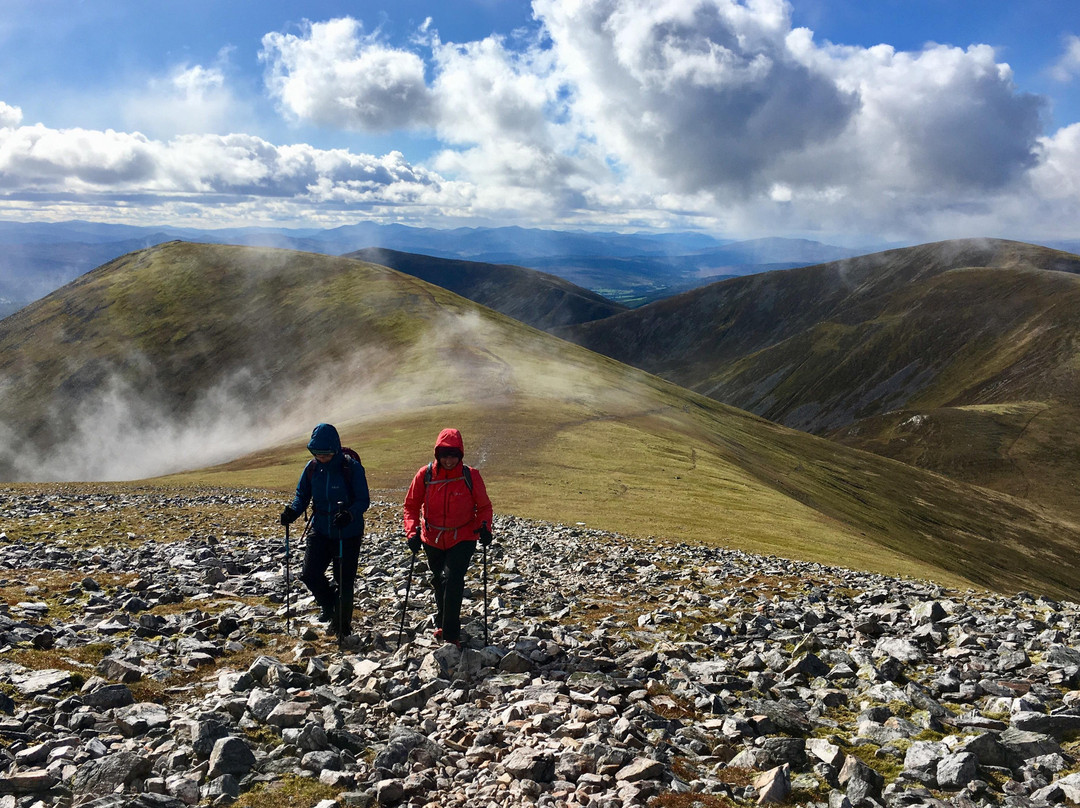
{"x": 125, "y": 426}
{"x": 712, "y": 113}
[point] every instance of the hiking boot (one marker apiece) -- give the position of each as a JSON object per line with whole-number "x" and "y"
{"x": 335, "y": 630}
{"x": 438, "y": 634}
{"x": 328, "y": 616}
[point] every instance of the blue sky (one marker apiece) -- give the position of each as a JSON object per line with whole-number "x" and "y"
{"x": 845, "y": 121}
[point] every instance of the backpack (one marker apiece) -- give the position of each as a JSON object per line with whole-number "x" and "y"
{"x": 466, "y": 472}
{"x": 346, "y": 469}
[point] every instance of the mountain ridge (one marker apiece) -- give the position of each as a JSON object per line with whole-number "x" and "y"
{"x": 831, "y": 349}
{"x": 529, "y": 296}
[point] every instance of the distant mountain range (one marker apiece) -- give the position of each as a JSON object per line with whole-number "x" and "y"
{"x": 632, "y": 269}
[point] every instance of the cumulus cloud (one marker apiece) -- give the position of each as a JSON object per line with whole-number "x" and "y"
{"x": 1057, "y": 178}
{"x": 9, "y": 116}
{"x": 702, "y": 95}
{"x": 714, "y": 108}
{"x": 39, "y": 160}
{"x": 1067, "y": 66}
{"x": 190, "y": 99}
{"x": 333, "y": 75}
{"x": 722, "y": 97}
{"x": 622, "y": 113}
{"x": 926, "y": 121}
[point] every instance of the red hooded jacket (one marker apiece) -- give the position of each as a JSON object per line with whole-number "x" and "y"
{"x": 445, "y": 509}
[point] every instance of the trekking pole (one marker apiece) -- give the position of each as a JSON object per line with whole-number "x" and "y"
{"x": 405, "y": 607}
{"x": 341, "y": 580}
{"x": 485, "y": 598}
{"x": 288, "y": 585}
{"x": 288, "y": 572}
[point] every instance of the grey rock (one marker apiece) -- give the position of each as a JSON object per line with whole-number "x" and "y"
{"x": 106, "y": 774}
{"x": 639, "y": 769}
{"x": 231, "y": 755}
{"x": 773, "y": 786}
{"x": 109, "y": 697}
{"x": 955, "y": 771}
{"x": 28, "y": 781}
{"x": 530, "y": 764}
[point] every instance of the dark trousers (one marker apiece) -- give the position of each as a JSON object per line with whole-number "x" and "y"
{"x": 448, "y": 568}
{"x": 318, "y": 555}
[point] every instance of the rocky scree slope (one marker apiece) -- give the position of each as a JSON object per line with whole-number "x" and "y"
{"x": 139, "y": 672}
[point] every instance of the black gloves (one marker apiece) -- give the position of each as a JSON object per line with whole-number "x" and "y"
{"x": 288, "y": 516}
{"x": 342, "y": 519}
{"x": 485, "y": 535}
{"x": 414, "y": 542}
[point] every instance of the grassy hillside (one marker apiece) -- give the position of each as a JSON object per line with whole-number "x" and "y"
{"x": 221, "y": 360}
{"x": 854, "y": 349}
{"x": 535, "y": 298}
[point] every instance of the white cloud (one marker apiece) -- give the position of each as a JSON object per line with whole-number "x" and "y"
{"x": 944, "y": 118}
{"x": 699, "y": 95}
{"x": 503, "y": 113}
{"x": 190, "y": 99}
{"x": 10, "y": 116}
{"x": 487, "y": 92}
{"x": 1067, "y": 66}
{"x": 334, "y": 76}
{"x": 620, "y": 113}
{"x": 725, "y": 99}
{"x": 208, "y": 170}
{"x": 1057, "y": 178}
{"x": 35, "y": 158}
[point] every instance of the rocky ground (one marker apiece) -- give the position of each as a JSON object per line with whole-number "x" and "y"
{"x": 147, "y": 658}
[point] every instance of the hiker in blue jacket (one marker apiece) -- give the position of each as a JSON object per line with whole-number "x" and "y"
{"x": 335, "y": 484}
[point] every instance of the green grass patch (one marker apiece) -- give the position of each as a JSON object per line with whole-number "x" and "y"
{"x": 289, "y": 791}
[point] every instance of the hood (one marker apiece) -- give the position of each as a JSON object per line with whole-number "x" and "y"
{"x": 324, "y": 438}
{"x": 450, "y": 439}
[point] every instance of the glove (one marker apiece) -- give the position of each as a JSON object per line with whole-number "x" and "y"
{"x": 288, "y": 516}
{"x": 342, "y": 519}
{"x": 414, "y": 542}
{"x": 485, "y": 535}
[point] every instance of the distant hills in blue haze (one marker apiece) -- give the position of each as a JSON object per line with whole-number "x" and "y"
{"x": 634, "y": 268}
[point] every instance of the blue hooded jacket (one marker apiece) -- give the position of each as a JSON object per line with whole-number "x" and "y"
{"x": 325, "y": 485}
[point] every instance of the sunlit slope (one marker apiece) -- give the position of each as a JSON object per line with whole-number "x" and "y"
{"x": 656, "y": 461}
{"x": 246, "y": 349}
{"x": 854, "y": 349}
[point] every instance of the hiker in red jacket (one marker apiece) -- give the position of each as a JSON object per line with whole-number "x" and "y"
{"x": 446, "y": 511}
